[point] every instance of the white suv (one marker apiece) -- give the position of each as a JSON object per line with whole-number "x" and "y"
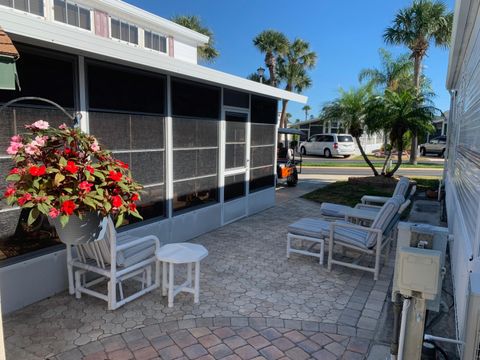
{"x": 328, "y": 145}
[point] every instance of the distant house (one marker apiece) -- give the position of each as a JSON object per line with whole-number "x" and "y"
{"x": 203, "y": 142}
{"x": 318, "y": 126}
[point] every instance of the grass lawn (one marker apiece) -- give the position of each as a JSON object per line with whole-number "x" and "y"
{"x": 345, "y": 193}
{"x": 363, "y": 164}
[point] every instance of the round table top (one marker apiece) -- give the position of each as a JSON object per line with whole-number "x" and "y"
{"x": 181, "y": 253}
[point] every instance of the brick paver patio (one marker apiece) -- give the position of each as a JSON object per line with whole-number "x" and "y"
{"x": 253, "y": 303}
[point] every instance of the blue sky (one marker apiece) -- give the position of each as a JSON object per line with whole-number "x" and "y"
{"x": 345, "y": 34}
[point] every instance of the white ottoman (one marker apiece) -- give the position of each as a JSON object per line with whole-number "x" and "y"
{"x": 181, "y": 253}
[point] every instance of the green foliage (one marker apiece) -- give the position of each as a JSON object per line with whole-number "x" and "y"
{"x": 206, "y": 52}
{"x": 273, "y": 44}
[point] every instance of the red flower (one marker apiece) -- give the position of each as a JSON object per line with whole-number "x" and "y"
{"x": 134, "y": 197}
{"x": 115, "y": 175}
{"x": 85, "y": 185}
{"x": 117, "y": 201}
{"x": 68, "y": 207}
{"x": 26, "y": 197}
{"x": 71, "y": 167}
{"x": 10, "y": 191}
{"x": 132, "y": 207}
{"x": 90, "y": 169}
{"x": 122, "y": 164}
{"x": 14, "y": 171}
{"x": 37, "y": 170}
{"x": 67, "y": 151}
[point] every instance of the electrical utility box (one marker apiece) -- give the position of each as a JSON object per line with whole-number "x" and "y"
{"x": 419, "y": 262}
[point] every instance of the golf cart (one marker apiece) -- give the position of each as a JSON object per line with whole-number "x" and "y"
{"x": 288, "y": 165}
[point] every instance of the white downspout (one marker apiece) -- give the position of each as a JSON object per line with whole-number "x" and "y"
{"x": 401, "y": 342}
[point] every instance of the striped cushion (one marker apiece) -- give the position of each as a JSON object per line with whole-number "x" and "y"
{"x": 134, "y": 254}
{"x": 333, "y": 210}
{"x": 384, "y": 218}
{"x": 318, "y": 228}
{"x": 402, "y": 187}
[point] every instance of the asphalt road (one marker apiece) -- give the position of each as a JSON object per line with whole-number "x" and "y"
{"x": 312, "y": 171}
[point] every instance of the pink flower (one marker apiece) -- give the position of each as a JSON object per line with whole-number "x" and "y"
{"x": 16, "y": 139}
{"x": 14, "y": 147}
{"x": 85, "y": 186}
{"x": 25, "y": 198}
{"x": 40, "y": 141}
{"x": 63, "y": 126}
{"x": 32, "y": 149}
{"x": 40, "y": 124}
{"x": 95, "y": 146}
{"x": 53, "y": 213}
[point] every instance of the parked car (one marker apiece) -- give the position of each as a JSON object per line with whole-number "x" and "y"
{"x": 329, "y": 145}
{"x": 434, "y": 146}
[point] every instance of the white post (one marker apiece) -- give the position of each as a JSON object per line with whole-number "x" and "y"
{"x": 196, "y": 295}
{"x": 82, "y": 92}
{"x": 221, "y": 157}
{"x": 169, "y": 152}
{"x": 2, "y": 343}
{"x": 171, "y": 277}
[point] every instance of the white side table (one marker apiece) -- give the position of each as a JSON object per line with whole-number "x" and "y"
{"x": 181, "y": 253}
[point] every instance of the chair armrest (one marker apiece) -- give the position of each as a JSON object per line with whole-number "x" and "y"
{"x": 359, "y": 214}
{"x": 369, "y": 199}
{"x": 335, "y": 224}
{"x": 367, "y": 207}
{"x": 148, "y": 238}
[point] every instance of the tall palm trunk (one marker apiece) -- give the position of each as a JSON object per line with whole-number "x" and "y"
{"x": 365, "y": 157}
{"x": 399, "y": 160}
{"x": 417, "y": 69}
{"x": 270, "y": 62}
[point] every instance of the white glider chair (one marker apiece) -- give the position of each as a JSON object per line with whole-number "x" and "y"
{"x": 114, "y": 258}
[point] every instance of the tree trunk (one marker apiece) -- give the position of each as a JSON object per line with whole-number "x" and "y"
{"x": 270, "y": 62}
{"x": 283, "y": 117}
{"x": 387, "y": 159}
{"x": 399, "y": 161}
{"x": 365, "y": 157}
{"x": 417, "y": 72}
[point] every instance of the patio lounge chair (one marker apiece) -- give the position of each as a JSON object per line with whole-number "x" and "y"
{"x": 367, "y": 239}
{"x": 400, "y": 189}
{"x": 115, "y": 258}
{"x": 331, "y": 211}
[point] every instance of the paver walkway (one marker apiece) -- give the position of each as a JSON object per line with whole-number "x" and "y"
{"x": 246, "y": 283}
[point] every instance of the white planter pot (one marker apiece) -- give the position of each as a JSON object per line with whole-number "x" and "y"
{"x": 78, "y": 231}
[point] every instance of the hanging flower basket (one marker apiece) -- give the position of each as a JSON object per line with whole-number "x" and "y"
{"x": 63, "y": 172}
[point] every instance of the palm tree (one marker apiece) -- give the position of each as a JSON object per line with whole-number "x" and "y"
{"x": 273, "y": 44}
{"x": 292, "y": 70}
{"x": 416, "y": 27}
{"x": 350, "y": 108}
{"x": 400, "y": 113}
{"x": 207, "y": 52}
{"x": 306, "y": 109}
{"x": 392, "y": 71}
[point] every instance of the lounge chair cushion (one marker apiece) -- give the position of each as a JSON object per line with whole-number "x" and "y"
{"x": 319, "y": 228}
{"x": 134, "y": 254}
{"x": 384, "y": 218}
{"x": 333, "y": 210}
{"x": 402, "y": 187}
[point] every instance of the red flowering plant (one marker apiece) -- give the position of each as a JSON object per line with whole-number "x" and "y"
{"x": 62, "y": 171}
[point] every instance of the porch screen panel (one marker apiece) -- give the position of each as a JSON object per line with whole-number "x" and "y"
{"x": 126, "y": 114}
{"x": 36, "y": 68}
{"x": 195, "y": 110}
{"x": 235, "y": 140}
{"x": 262, "y": 147}
{"x": 234, "y": 187}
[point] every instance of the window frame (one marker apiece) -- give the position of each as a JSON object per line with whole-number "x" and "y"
{"x": 145, "y": 31}
{"x": 43, "y": 7}
{"x": 79, "y": 7}
{"x": 129, "y": 24}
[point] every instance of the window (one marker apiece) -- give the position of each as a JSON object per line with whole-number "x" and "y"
{"x": 195, "y": 163}
{"x": 236, "y": 98}
{"x": 139, "y": 141}
{"x": 235, "y": 145}
{"x": 193, "y": 99}
{"x": 155, "y": 42}
{"x": 71, "y": 14}
{"x": 262, "y": 156}
{"x": 31, "y": 6}
{"x": 264, "y": 110}
{"x": 46, "y": 74}
{"x": 328, "y": 138}
{"x": 344, "y": 138}
{"x": 118, "y": 88}
{"x": 124, "y": 31}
